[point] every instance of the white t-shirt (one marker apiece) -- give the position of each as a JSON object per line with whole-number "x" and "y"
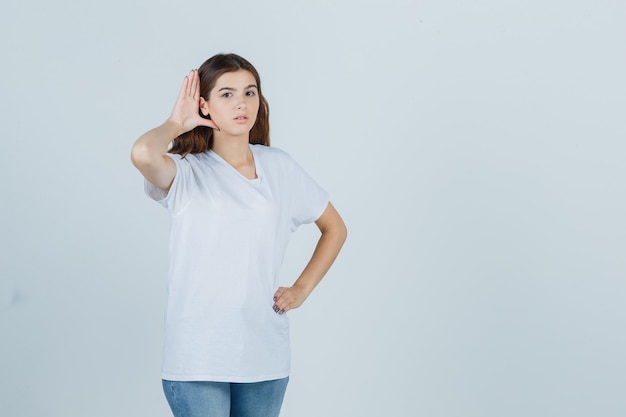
{"x": 228, "y": 238}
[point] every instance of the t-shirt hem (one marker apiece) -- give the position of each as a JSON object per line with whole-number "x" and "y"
{"x": 214, "y": 378}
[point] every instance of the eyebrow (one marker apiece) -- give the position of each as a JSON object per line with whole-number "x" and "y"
{"x": 233, "y": 89}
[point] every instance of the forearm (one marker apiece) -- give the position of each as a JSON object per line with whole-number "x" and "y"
{"x": 334, "y": 234}
{"x": 153, "y": 145}
{"x": 325, "y": 253}
{"x": 149, "y": 153}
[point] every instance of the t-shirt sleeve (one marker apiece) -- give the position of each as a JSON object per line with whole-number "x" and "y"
{"x": 181, "y": 189}
{"x": 308, "y": 200}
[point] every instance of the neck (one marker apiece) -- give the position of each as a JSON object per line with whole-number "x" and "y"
{"x": 234, "y": 150}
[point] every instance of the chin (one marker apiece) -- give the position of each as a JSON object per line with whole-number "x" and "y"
{"x": 237, "y": 132}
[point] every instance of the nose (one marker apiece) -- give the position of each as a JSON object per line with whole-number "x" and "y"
{"x": 241, "y": 105}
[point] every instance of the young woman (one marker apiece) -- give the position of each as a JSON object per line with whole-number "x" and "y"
{"x": 233, "y": 202}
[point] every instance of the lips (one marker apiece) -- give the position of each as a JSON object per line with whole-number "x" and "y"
{"x": 241, "y": 119}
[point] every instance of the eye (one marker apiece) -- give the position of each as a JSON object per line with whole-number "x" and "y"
{"x": 250, "y": 93}
{"x": 226, "y": 95}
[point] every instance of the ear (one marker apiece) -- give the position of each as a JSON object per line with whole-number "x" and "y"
{"x": 204, "y": 107}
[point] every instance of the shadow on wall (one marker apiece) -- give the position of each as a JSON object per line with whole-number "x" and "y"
{"x": 10, "y": 297}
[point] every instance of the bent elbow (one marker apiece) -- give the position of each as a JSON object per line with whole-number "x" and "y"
{"x": 339, "y": 232}
{"x": 140, "y": 155}
{"x": 343, "y": 232}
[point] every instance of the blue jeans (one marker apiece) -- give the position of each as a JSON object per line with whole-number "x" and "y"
{"x": 225, "y": 399}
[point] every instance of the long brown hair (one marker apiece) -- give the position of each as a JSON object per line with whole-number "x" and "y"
{"x": 200, "y": 139}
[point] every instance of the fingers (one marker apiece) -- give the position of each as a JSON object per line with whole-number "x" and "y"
{"x": 186, "y": 111}
{"x": 285, "y": 299}
{"x": 191, "y": 85}
{"x": 184, "y": 88}
{"x": 194, "y": 92}
{"x": 194, "y": 88}
{"x": 279, "y": 301}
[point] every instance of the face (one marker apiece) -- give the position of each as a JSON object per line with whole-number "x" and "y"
{"x": 233, "y": 103}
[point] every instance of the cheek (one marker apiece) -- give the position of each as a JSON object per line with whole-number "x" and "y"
{"x": 256, "y": 106}
{"x": 216, "y": 112}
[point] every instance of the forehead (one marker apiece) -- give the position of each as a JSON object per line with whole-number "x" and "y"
{"x": 238, "y": 80}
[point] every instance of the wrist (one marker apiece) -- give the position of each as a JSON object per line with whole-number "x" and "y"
{"x": 302, "y": 287}
{"x": 174, "y": 127}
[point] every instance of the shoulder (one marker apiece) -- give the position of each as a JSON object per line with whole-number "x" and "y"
{"x": 269, "y": 151}
{"x": 272, "y": 153}
{"x": 190, "y": 159}
{"x": 279, "y": 161}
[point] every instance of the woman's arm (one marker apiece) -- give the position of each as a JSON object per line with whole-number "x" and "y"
{"x": 334, "y": 234}
{"x": 149, "y": 153}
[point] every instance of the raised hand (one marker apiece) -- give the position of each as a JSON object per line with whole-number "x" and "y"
{"x": 149, "y": 153}
{"x": 186, "y": 110}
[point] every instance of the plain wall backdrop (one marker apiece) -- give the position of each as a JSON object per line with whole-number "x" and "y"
{"x": 474, "y": 148}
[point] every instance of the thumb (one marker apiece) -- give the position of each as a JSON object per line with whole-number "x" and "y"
{"x": 207, "y": 122}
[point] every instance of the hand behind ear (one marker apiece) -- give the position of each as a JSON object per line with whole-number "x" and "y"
{"x": 204, "y": 110}
{"x": 186, "y": 110}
